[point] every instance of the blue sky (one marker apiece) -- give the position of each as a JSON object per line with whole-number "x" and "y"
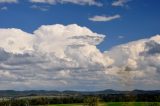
{"x": 138, "y": 18}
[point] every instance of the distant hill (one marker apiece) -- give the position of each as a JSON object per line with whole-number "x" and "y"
{"x": 12, "y": 93}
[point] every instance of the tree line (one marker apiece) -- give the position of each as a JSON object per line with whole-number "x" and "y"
{"x": 87, "y": 100}
{"x": 40, "y": 101}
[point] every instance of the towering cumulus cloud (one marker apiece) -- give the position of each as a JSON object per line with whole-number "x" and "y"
{"x": 137, "y": 63}
{"x": 66, "y": 57}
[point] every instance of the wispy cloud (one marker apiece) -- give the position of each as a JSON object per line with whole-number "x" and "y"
{"x": 78, "y": 2}
{"x": 8, "y": 1}
{"x": 42, "y": 8}
{"x": 4, "y": 8}
{"x": 120, "y": 2}
{"x": 120, "y": 37}
{"x": 104, "y": 18}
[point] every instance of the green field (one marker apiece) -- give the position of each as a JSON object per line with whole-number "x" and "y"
{"x": 67, "y": 105}
{"x": 114, "y": 104}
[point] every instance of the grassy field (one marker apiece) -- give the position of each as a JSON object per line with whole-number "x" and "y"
{"x": 67, "y": 105}
{"x": 112, "y": 104}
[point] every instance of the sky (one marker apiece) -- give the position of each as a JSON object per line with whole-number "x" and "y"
{"x": 79, "y": 44}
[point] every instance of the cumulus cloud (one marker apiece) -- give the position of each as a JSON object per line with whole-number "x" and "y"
{"x": 66, "y": 57}
{"x": 120, "y": 2}
{"x": 15, "y": 40}
{"x": 104, "y": 18}
{"x": 137, "y": 62}
{"x": 8, "y": 1}
{"x": 54, "y": 54}
{"x": 79, "y": 2}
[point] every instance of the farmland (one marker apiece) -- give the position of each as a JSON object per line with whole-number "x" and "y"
{"x": 117, "y": 104}
{"x": 75, "y": 98}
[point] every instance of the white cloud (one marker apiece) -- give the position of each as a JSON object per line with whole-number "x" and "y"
{"x": 54, "y": 54}
{"x": 104, "y": 18}
{"x": 66, "y": 57}
{"x": 4, "y": 8}
{"x": 42, "y": 8}
{"x": 120, "y": 2}
{"x": 120, "y": 37}
{"x": 79, "y": 2}
{"x": 137, "y": 60}
{"x": 15, "y": 40}
{"x": 8, "y": 1}
{"x": 44, "y": 1}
